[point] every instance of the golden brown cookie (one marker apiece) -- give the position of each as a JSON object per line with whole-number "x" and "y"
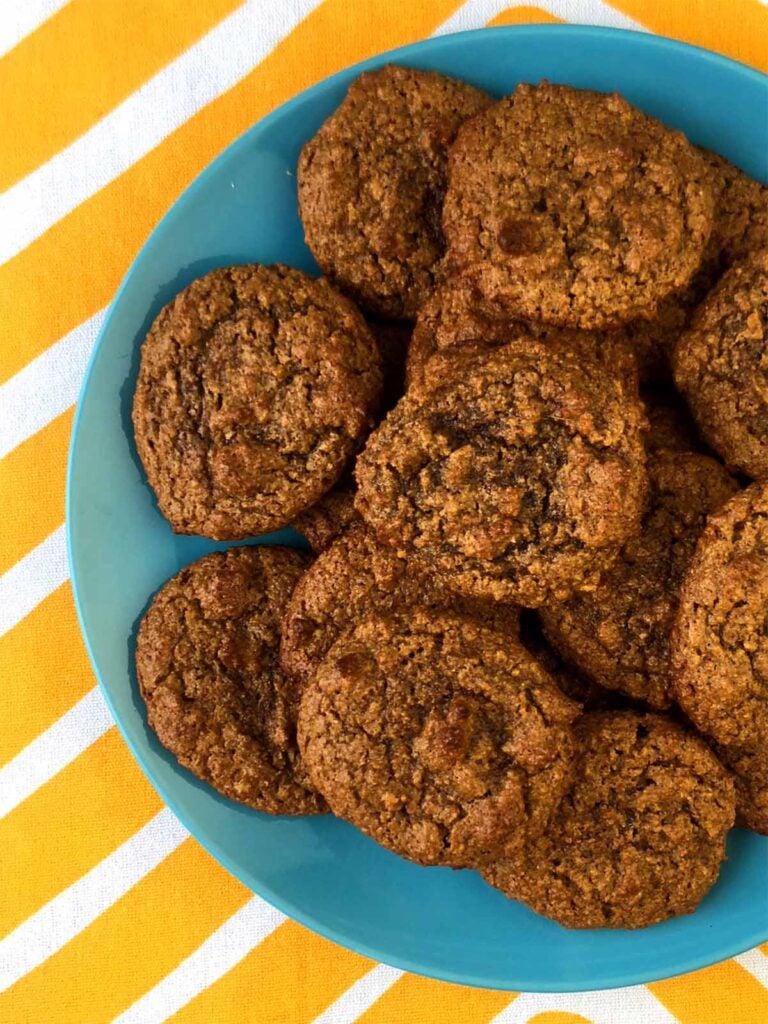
{"x": 720, "y": 645}
{"x": 371, "y": 185}
{"x": 639, "y": 837}
{"x": 721, "y": 366}
{"x": 207, "y": 664}
{"x": 354, "y": 577}
{"x": 438, "y": 737}
{"x": 618, "y": 633}
{"x": 256, "y": 385}
{"x": 520, "y": 481}
{"x": 574, "y": 208}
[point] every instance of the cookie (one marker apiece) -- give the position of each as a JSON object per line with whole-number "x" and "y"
{"x": 353, "y": 578}
{"x": 458, "y": 322}
{"x": 719, "y": 646}
{"x": 574, "y": 208}
{"x": 207, "y": 665}
{"x": 618, "y": 633}
{"x": 670, "y": 424}
{"x": 325, "y": 521}
{"x": 639, "y": 837}
{"x": 439, "y": 738}
{"x": 371, "y": 185}
{"x": 256, "y": 385}
{"x": 520, "y": 481}
{"x": 721, "y": 367}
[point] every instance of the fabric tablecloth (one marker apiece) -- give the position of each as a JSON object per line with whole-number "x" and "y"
{"x": 108, "y": 109}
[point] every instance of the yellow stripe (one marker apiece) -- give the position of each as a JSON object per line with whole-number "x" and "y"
{"x": 39, "y": 682}
{"x": 736, "y": 28}
{"x": 32, "y": 490}
{"x": 130, "y": 947}
{"x": 723, "y": 994}
{"x": 423, "y": 1001}
{"x": 92, "y": 246}
{"x": 291, "y": 977}
{"x": 81, "y": 63}
{"x": 69, "y": 825}
{"x": 525, "y": 15}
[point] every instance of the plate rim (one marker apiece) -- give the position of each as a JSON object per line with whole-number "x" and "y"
{"x": 401, "y": 53}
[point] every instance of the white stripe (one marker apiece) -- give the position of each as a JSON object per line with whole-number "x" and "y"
{"x": 360, "y": 996}
{"x": 634, "y": 1004}
{"x": 756, "y": 963}
{"x": 19, "y": 19}
{"x": 474, "y": 13}
{"x": 73, "y": 909}
{"x": 47, "y": 386}
{"x": 225, "y": 948}
{"x": 53, "y": 750}
{"x": 32, "y": 579}
{"x": 204, "y": 71}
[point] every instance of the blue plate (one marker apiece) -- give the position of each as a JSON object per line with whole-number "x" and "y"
{"x": 321, "y": 871}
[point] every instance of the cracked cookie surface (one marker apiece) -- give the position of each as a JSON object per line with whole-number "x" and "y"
{"x": 442, "y": 740}
{"x": 639, "y": 837}
{"x": 256, "y": 385}
{"x": 618, "y": 634}
{"x": 574, "y": 208}
{"x": 371, "y": 185}
{"x": 720, "y": 645}
{"x": 207, "y": 664}
{"x": 720, "y": 365}
{"x": 518, "y": 482}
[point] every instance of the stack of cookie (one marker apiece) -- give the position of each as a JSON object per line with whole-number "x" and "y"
{"x": 534, "y": 636}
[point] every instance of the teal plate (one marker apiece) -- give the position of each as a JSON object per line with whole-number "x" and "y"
{"x": 321, "y": 871}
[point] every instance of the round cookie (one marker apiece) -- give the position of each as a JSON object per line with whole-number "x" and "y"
{"x": 329, "y": 518}
{"x": 207, "y": 665}
{"x": 256, "y": 385}
{"x": 719, "y": 646}
{"x": 618, "y": 633}
{"x": 639, "y": 837}
{"x": 518, "y": 482}
{"x": 720, "y": 365}
{"x": 574, "y": 208}
{"x": 353, "y": 578}
{"x": 457, "y": 322}
{"x": 371, "y": 185}
{"x": 439, "y": 738}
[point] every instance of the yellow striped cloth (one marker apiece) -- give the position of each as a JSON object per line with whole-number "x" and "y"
{"x": 108, "y": 108}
